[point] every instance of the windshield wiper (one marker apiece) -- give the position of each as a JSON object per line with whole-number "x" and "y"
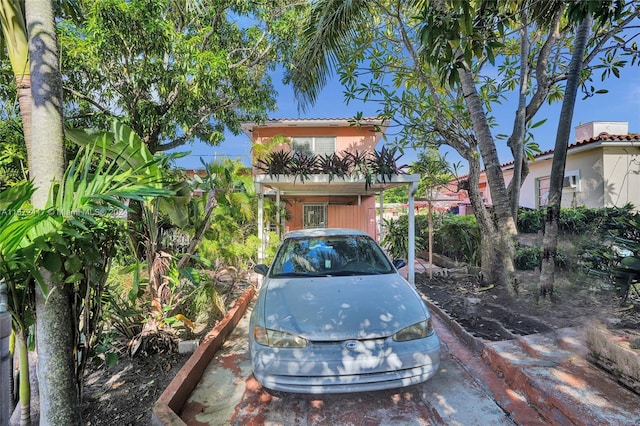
{"x": 300, "y": 274}
{"x": 347, "y": 273}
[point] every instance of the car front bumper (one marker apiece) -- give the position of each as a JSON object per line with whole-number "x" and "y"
{"x": 332, "y": 368}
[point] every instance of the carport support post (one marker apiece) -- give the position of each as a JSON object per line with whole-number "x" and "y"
{"x": 411, "y": 256}
{"x": 278, "y": 221}
{"x": 261, "y": 236}
{"x": 380, "y": 217}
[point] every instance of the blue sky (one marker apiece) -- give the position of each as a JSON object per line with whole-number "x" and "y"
{"x": 621, "y": 103}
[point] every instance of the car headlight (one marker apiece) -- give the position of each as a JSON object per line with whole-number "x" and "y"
{"x": 416, "y": 331}
{"x": 277, "y": 339}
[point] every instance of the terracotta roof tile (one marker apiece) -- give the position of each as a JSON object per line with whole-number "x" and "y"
{"x": 604, "y": 136}
{"x": 321, "y": 119}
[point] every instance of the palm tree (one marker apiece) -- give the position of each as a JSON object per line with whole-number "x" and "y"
{"x": 14, "y": 40}
{"x": 550, "y": 239}
{"x": 14, "y": 33}
{"x": 94, "y": 182}
{"x": 59, "y": 400}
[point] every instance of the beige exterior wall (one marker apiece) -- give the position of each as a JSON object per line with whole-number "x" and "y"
{"x": 589, "y": 184}
{"x": 606, "y": 177}
{"x": 587, "y": 165}
{"x": 621, "y": 171}
{"x": 603, "y": 169}
{"x": 594, "y": 128}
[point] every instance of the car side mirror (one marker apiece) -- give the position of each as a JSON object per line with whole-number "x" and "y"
{"x": 399, "y": 263}
{"x": 261, "y": 269}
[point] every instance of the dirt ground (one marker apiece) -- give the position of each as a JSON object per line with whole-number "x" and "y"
{"x": 492, "y": 314}
{"x": 124, "y": 394}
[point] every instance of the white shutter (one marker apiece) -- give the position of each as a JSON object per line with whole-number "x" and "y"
{"x": 325, "y": 145}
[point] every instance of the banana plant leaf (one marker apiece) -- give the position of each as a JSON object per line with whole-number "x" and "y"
{"x": 109, "y": 169}
{"x": 123, "y": 146}
{"x": 15, "y": 220}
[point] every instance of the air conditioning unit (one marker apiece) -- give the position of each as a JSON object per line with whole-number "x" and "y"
{"x": 570, "y": 181}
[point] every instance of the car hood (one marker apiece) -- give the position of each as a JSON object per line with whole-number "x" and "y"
{"x": 342, "y": 308}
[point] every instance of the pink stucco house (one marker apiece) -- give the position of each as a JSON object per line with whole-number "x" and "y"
{"x": 318, "y": 200}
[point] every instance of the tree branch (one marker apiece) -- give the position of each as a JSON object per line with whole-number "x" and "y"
{"x": 615, "y": 30}
{"x": 88, "y": 99}
{"x": 185, "y": 137}
{"x": 542, "y": 77}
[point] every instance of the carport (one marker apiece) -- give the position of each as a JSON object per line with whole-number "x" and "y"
{"x": 278, "y": 186}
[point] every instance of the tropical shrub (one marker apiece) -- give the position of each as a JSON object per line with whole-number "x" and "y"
{"x": 384, "y": 163}
{"x": 367, "y": 165}
{"x": 618, "y": 258}
{"x": 575, "y": 220}
{"x": 334, "y": 165}
{"x": 395, "y": 239}
{"x": 530, "y": 221}
{"x": 458, "y": 237}
{"x": 13, "y": 153}
{"x": 528, "y": 258}
{"x": 73, "y": 239}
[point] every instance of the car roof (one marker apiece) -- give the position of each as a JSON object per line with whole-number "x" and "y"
{"x": 323, "y": 232}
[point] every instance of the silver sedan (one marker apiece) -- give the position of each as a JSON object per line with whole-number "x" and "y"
{"x": 333, "y": 315}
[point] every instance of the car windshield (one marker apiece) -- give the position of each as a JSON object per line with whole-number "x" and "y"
{"x": 330, "y": 256}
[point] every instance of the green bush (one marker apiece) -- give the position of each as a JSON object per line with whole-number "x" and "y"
{"x": 457, "y": 237}
{"x": 527, "y": 258}
{"x": 576, "y": 220}
{"x": 395, "y": 236}
{"x": 530, "y": 221}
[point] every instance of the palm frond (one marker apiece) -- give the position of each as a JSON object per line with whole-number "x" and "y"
{"x": 330, "y": 26}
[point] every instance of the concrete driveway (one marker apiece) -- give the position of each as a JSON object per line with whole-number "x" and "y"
{"x": 463, "y": 392}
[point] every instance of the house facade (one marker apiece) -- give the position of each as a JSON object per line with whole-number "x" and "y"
{"x": 602, "y": 170}
{"x": 321, "y": 200}
{"x": 317, "y": 201}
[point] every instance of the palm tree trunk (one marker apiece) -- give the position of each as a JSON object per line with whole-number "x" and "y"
{"x": 14, "y": 32}
{"x": 59, "y": 404}
{"x": 23, "y": 82}
{"x": 550, "y": 239}
{"x": 47, "y": 160}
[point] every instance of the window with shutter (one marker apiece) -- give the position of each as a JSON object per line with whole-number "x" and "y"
{"x": 314, "y": 145}
{"x": 325, "y": 145}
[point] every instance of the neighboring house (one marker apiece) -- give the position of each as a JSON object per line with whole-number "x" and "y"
{"x": 317, "y": 200}
{"x": 602, "y": 170}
